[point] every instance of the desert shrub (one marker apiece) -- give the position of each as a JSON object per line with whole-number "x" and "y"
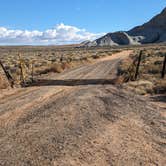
{"x": 95, "y": 56}
{"x": 158, "y": 62}
{"x": 84, "y": 58}
{"x": 3, "y": 82}
{"x": 154, "y": 70}
{"x": 55, "y": 68}
{"x": 126, "y": 69}
{"x": 141, "y": 87}
{"x": 160, "y": 86}
{"x": 65, "y": 65}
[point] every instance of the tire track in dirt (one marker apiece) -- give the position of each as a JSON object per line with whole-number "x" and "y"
{"x": 87, "y": 126}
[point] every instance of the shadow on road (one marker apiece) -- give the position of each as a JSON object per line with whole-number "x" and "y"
{"x": 72, "y": 82}
{"x": 159, "y": 98}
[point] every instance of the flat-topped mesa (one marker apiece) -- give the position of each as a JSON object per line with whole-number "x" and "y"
{"x": 153, "y": 31}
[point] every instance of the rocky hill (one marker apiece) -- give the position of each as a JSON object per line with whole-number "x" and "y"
{"x": 153, "y": 31}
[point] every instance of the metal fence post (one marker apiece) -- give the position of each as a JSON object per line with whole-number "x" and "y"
{"x": 164, "y": 67}
{"x": 8, "y": 76}
{"x": 138, "y": 65}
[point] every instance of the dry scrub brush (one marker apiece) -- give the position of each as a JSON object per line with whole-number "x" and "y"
{"x": 3, "y": 82}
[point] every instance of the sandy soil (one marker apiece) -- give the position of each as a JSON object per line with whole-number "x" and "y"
{"x": 78, "y": 118}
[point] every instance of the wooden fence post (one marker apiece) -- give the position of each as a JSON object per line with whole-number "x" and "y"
{"x": 164, "y": 67}
{"x": 138, "y": 65}
{"x": 61, "y": 59}
{"x": 21, "y": 70}
{"x": 32, "y": 71}
{"x": 8, "y": 76}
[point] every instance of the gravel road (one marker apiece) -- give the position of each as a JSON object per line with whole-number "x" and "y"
{"x": 79, "y": 118}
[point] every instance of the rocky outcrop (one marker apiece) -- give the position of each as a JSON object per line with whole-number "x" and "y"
{"x": 114, "y": 39}
{"x": 153, "y": 31}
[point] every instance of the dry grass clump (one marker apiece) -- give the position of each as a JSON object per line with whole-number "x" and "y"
{"x": 141, "y": 87}
{"x": 3, "y": 82}
{"x": 160, "y": 86}
{"x": 54, "y": 68}
{"x": 127, "y": 68}
{"x": 66, "y": 65}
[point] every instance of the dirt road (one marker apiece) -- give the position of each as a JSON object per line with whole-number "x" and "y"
{"x": 79, "y": 118}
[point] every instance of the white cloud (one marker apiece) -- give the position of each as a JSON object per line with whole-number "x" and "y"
{"x": 60, "y": 34}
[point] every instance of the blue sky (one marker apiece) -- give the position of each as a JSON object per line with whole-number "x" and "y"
{"x": 91, "y": 18}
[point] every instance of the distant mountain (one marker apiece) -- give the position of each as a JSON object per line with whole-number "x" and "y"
{"x": 85, "y": 42}
{"x": 153, "y": 31}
